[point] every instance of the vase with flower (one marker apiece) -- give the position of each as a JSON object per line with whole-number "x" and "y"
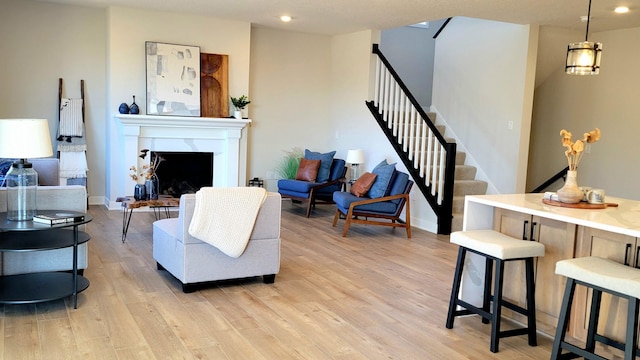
{"x": 151, "y": 183}
{"x": 570, "y": 193}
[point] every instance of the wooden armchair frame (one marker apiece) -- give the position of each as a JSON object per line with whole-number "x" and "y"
{"x": 353, "y": 215}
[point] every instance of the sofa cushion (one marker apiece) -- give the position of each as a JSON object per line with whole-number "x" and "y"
{"x": 325, "y": 166}
{"x": 384, "y": 172}
{"x": 308, "y": 170}
{"x": 363, "y": 184}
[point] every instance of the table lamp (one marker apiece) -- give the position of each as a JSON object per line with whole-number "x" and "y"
{"x": 355, "y": 158}
{"x": 22, "y": 139}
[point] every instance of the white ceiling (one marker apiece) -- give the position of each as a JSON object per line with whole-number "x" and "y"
{"x": 334, "y": 17}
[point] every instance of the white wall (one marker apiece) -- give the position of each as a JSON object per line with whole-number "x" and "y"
{"x": 41, "y": 43}
{"x": 290, "y": 86}
{"x": 608, "y": 101}
{"x": 127, "y": 31}
{"x": 410, "y": 50}
{"x": 483, "y": 83}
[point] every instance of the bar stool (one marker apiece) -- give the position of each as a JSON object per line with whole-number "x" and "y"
{"x": 498, "y": 247}
{"x": 600, "y": 275}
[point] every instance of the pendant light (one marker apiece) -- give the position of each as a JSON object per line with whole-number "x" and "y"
{"x": 583, "y": 58}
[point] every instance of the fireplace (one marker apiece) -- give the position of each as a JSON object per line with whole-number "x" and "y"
{"x": 223, "y": 138}
{"x": 182, "y": 172}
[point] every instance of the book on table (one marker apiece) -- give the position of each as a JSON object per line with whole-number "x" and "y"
{"x": 59, "y": 218}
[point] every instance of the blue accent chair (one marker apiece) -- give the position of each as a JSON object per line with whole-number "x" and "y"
{"x": 314, "y": 192}
{"x": 359, "y": 210}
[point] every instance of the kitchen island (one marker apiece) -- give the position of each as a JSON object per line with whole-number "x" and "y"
{"x": 612, "y": 233}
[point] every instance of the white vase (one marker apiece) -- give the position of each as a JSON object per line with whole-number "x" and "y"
{"x": 237, "y": 114}
{"x": 570, "y": 193}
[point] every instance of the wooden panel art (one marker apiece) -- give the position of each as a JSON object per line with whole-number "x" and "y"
{"x": 214, "y": 85}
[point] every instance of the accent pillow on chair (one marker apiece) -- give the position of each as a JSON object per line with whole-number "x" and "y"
{"x": 325, "y": 165}
{"x": 384, "y": 172}
{"x": 308, "y": 170}
{"x": 363, "y": 184}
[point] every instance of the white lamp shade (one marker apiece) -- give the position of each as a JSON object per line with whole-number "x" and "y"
{"x": 25, "y": 138}
{"x": 355, "y": 156}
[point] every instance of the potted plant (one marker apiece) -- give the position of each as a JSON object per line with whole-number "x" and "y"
{"x": 239, "y": 104}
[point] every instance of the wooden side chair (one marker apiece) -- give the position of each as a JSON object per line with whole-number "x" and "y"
{"x": 384, "y": 211}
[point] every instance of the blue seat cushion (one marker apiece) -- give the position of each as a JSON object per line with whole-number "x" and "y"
{"x": 296, "y": 188}
{"x": 325, "y": 163}
{"x": 344, "y": 199}
{"x": 384, "y": 172}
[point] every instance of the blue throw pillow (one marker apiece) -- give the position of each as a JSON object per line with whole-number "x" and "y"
{"x": 5, "y": 165}
{"x": 384, "y": 172}
{"x": 325, "y": 163}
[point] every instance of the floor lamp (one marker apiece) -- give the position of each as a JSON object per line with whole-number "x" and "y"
{"x": 21, "y": 139}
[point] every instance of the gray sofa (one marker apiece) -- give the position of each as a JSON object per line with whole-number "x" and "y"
{"x": 194, "y": 262}
{"x": 71, "y": 198}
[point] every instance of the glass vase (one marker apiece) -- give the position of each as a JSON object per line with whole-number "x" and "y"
{"x": 153, "y": 187}
{"x": 570, "y": 193}
{"x": 140, "y": 192}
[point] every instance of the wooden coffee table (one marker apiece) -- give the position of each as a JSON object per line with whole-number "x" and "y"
{"x": 129, "y": 203}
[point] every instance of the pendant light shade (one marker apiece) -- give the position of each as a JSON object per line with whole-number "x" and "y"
{"x": 583, "y": 58}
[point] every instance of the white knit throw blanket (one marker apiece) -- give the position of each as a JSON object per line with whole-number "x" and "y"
{"x": 70, "y": 117}
{"x": 224, "y": 217}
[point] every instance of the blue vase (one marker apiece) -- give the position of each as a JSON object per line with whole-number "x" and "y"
{"x": 134, "y": 109}
{"x": 153, "y": 187}
{"x": 124, "y": 108}
{"x": 140, "y": 192}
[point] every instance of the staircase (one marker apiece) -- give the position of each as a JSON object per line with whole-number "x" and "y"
{"x": 432, "y": 160}
{"x": 465, "y": 183}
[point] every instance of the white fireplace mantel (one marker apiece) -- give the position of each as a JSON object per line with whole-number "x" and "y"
{"x": 220, "y": 136}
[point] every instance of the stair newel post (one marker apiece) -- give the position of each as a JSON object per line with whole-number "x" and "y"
{"x": 446, "y": 215}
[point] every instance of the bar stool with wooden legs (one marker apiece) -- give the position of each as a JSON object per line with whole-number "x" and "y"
{"x": 498, "y": 247}
{"x": 601, "y": 275}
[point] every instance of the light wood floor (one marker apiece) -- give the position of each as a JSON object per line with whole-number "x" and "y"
{"x": 372, "y": 295}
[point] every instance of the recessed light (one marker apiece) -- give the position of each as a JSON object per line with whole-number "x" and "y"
{"x": 285, "y": 18}
{"x": 621, "y": 10}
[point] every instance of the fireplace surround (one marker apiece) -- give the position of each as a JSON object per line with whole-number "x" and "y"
{"x": 223, "y": 137}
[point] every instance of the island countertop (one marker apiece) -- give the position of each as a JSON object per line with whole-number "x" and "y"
{"x": 623, "y": 219}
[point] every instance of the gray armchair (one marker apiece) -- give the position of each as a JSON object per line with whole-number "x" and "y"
{"x": 195, "y": 263}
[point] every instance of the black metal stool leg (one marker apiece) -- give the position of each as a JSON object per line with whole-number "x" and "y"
{"x": 563, "y": 319}
{"x": 488, "y": 275}
{"x": 632, "y": 329}
{"x": 592, "y": 327}
{"x": 531, "y": 303}
{"x": 497, "y": 306}
{"x": 455, "y": 289}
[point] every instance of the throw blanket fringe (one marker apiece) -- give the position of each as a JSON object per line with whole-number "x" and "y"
{"x": 224, "y": 217}
{"x": 73, "y": 164}
{"x": 70, "y": 117}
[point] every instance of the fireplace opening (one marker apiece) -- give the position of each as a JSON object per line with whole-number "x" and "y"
{"x": 183, "y": 172}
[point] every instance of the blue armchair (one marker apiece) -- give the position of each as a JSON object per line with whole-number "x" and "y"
{"x": 314, "y": 192}
{"x": 358, "y": 210}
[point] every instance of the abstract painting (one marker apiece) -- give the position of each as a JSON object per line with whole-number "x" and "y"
{"x": 173, "y": 79}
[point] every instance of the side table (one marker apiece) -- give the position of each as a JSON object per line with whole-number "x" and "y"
{"x": 129, "y": 203}
{"x": 32, "y": 236}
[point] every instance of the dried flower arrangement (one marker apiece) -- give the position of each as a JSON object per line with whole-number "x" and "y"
{"x": 148, "y": 170}
{"x": 575, "y": 150}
